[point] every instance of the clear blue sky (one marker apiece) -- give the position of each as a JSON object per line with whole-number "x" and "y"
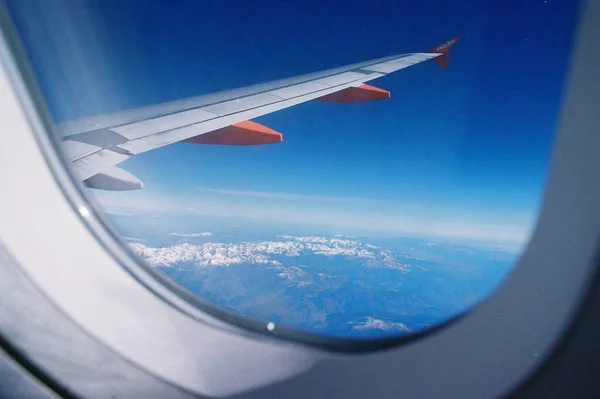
{"x": 461, "y": 152}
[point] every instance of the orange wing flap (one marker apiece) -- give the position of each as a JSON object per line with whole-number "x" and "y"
{"x": 356, "y": 94}
{"x": 243, "y": 133}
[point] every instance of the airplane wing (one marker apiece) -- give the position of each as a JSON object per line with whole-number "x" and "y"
{"x": 96, "y": 144}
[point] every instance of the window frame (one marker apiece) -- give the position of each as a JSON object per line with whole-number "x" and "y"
{"x": 482, "y": 354}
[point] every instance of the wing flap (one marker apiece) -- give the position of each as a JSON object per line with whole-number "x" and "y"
{"x": 243, "y": 133}
{"x": 114, "y": 179}
{"x": 97, "y": 162}
{"x": 356, "y": 94}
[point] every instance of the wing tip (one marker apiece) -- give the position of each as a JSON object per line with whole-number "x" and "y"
{"x": 444, "y": 49}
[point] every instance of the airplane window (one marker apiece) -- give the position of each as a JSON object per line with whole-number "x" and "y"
{"x": 350, "y": 169}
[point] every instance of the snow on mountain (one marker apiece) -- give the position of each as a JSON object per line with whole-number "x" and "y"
{"x": 372, "y": 323}
{"x": 294, "y": 274}
{"x": 266, "y": 252}
{"x": 209, "y": 254}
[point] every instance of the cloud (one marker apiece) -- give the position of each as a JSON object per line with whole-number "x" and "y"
{"x": 129, "y": 203}
{"x": 118, "y": 211}
{"x": 192, "y": 235}
{"x": 353, "y": 216}
{"x": 365, "y": 216}
{"x": 288, "y": 196}
{"x": 131, "y": 239}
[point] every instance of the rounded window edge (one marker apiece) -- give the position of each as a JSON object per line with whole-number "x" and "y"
{"x": 581, "y": 272}
{"x": 85, "y": 206}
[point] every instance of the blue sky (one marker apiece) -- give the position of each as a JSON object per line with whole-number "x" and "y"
{"x": 460, "y": 153}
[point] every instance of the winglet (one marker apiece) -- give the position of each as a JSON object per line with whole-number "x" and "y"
{"x": 442, "y": 60}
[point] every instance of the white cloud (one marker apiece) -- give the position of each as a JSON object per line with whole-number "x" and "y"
{"x": 131, "y": 239}
{"x": 128, "y": 203}
{"x": 352, "y": 215}
{"x": 288, "y": 196}
{"x": 192, "y": 235}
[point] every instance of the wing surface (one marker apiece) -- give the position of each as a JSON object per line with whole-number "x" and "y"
{"x": 96, "y": 144}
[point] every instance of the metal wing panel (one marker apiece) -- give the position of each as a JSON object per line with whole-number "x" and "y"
{"x": 341, "y": 78}
{"x": 298, "y": 90}
{"x": 242, "y": 103}
{"x": 162, "y": 124}
{"x": 150, "y": 142}
{"x": 73, "y": 150}
{"x": 139, "y": 114}
{"x": 97, "y": 162}
{"x": 394, "y": 65}
{"x": 154, "y": 141}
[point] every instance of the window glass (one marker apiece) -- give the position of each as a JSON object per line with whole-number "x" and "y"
{"x": 375, "y": 200}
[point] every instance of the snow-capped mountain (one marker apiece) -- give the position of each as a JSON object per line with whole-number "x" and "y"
{"x": 338, "y": 285}
{"x": 371, "y": 323}
{"x": 267, "y": 252}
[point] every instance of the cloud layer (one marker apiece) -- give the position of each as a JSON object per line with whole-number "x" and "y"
{"x": 192, "y": 235}
{"x": 291, "y": 196}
